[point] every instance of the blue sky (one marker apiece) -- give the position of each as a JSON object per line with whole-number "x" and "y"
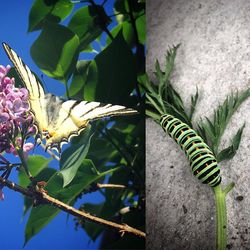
{"x": 60, "y": 234}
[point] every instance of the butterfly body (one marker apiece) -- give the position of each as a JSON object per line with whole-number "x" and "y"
{"x": 58, "y": 120}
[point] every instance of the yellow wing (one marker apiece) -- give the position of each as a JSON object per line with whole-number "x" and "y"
{"x": 73, "y": 117}
{"x": 36, "y": 92}
{"x": 58, "y": 120}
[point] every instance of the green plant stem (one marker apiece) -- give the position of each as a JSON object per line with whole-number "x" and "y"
{"x": 221, "y": 215}
{"x": 156, "y": 106}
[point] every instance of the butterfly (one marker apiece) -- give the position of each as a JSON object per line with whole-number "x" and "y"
{"x": 57, "y": 120}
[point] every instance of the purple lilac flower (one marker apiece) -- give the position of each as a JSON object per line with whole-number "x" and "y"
{"x": 14, "y": 113}
{"x": 14, "y": 117}
{"x": 26, "y": 147}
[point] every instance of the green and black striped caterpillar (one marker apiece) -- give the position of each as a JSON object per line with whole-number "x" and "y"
{"x": 202, "y": 160}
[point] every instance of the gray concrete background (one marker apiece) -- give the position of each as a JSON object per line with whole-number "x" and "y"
{"x": 215, "y": 56}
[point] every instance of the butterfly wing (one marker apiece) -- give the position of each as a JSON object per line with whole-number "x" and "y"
{"x": 74, "y": 116}
{"x": 36, "y": 92}
{"x": 59, "y": 120}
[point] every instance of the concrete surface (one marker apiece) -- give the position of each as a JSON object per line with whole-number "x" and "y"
{"x": 215, "y": 56}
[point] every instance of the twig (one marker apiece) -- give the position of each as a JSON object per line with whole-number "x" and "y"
{"x": 17, "y": 188}
{"x": 43, "y": 198}
{"x": 118, "y": 186}
{"x": 81, "y": 214}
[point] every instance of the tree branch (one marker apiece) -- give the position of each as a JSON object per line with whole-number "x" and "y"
{"x": 43, "y": 198}
{"x": 115, "y": 186}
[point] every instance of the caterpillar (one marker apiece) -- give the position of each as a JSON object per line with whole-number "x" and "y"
{"x": 202, "y": 160}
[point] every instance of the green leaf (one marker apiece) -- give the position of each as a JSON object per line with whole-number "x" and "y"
{"x": 79, "y": 78}
{"x": 170, "y": 59}
{"x": 147, "y": 84}
{"x": 127, "y": 31}
{"x": 206, "y": 133}
{"x": 141, "y": 28}
{"x": 121, "y": 11}
{"x": 91, "y": 80}
{"x": 214, "y": 129}
{"x": 153, "y": 115}
{"x": 53, "y": 11}
{"x": 85, "y": 24}
{"x": 162, "y": 97}
{"x": 72, "y": 158}
{"x": 229, "y": 152}
{"x": 36, "y": 163}
{"x": 116, "y": 74}
{"x": 176, "y": 105}
{"x": 102, "y": 152}
{"x": 92, "y": 229}
{"x": 43, "y": 175}
{"x": 159, "y": 74}
{"x": 40, "y": 216}
{"x": 55, "y": 51}
{"x": 194, "y": 99}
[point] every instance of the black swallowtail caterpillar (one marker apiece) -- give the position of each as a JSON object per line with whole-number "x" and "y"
{"x": 202, "y": 160}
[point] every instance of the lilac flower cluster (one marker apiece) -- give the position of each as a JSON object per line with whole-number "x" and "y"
{"x": 14, "y": 113}
{"x": 15, "y": 119}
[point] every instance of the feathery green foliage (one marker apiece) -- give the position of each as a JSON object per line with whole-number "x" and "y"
{"x": 194, "y": 99}
{"x": 161, "y": 98}
{"x": 229, "y": 152}
{"x": 212, "y": 130}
